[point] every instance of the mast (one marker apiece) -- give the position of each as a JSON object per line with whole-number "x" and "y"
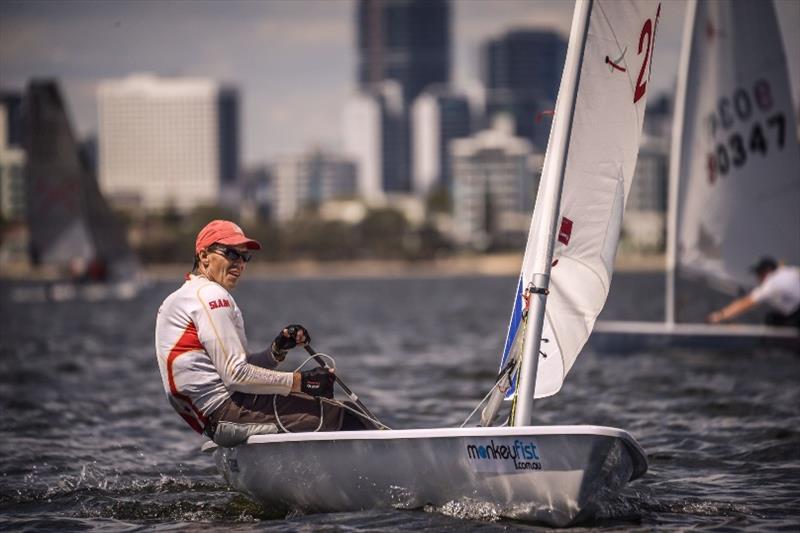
{"x": 550, "y": 189}
{"x": 675, "y": 163}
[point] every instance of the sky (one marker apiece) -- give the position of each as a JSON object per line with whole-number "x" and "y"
{"x": 293, "y": 61}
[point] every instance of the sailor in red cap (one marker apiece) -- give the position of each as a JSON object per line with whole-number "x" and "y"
{"x": 222, "y": 238}
{"x": 211, "y": 379}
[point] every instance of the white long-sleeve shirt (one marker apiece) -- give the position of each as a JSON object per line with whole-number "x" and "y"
{"x": 780, "y": 289}
{"x": 202, "y": 352}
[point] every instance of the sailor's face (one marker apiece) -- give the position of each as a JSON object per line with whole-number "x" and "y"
{"x": 224, "y": 268}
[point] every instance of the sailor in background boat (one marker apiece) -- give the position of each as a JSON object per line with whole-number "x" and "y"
{"x": 778, "y": 286}
{"x": 213, "y": 382}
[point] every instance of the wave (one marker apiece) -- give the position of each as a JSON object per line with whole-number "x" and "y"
{"x": 92, "y": 482}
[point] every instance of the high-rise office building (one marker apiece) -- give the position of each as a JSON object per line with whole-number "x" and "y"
{"x": 257, "y": 195}
{"x": 403, "y": 40}
{"x": 438, "y": 116}
{"x": 522, "y": 72}
{"x": 11, "y": 102}
{"x": 658, "y": 117}
{"x": 495, "y": 177}
{"x": 167, "y": 142}
{"x": 309, "y": 180}
{"x": 376, "y": 138}
{"x": 406, "y": 43}
{"x": 12, "y": 158}
{"x": 228, "y": 128}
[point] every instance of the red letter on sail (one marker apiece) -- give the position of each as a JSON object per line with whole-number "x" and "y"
{"x": 565, "y": 231}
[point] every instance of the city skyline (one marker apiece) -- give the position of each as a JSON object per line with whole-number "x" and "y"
{"x": 294, "y": 62}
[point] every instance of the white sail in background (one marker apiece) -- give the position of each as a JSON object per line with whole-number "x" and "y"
{"x": 735, "y": 169}
{"x": 602, "y": 149}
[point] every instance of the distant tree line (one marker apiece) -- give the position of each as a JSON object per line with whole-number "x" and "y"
{"x": 384, "y": 233}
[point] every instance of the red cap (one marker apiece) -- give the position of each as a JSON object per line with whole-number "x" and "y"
{"x": 223, "y": 232}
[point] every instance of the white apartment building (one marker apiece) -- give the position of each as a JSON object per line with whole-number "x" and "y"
{"x": 495, "y": 178}
{"x": 159, "y": 141}
{"x": 375, "y": 137}
{"x": 308, "y": 180}
{"x": 438, "y": 116}
{"x": 362, "y": 141}
{"x": 12, "y": 174}
{"x": 644, "y": 223}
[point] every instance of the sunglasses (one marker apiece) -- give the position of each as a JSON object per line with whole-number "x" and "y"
{"x": 232, "y": 254}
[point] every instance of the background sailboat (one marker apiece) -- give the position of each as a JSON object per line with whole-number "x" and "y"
{"x": 554, "y": 474}
{"x": 734, "y": 168}
{"x": 73, "y": 232}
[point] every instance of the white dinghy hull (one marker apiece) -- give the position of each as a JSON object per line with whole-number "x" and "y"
{"x": 551, "y": 474}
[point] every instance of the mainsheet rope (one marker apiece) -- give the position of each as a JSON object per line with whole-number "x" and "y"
{"x": 323, "y": 400}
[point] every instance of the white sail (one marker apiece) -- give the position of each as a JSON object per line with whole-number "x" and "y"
{"x": 603, "y": 145}
{"x": 735, "y": 169}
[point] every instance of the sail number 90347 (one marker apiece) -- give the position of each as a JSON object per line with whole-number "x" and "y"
{"x": 734, "y": 113}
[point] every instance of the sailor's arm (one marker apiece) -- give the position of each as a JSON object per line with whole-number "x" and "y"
{"x": 289, "y": 337}
{"x": 733, "y": 309}
{"x": 216, "y": 329}
{"x": 265, "y": 358}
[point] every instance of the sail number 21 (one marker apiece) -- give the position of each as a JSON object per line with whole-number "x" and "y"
{"x": 649, "y": 31}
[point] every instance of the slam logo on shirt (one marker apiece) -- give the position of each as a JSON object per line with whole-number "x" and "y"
{"x": 512, "y": 457}
{"x": 216, "y": 304}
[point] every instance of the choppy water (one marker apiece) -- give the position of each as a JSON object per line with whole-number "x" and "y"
{"x": 88, "y": 440}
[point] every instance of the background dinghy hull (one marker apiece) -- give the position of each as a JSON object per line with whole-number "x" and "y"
{"x": 552, "y": 474}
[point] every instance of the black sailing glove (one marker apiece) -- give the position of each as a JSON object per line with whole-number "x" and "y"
{"x": 287, "y": 339}
{"x": 318, "y": 382}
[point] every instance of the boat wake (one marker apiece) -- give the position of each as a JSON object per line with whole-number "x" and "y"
{"x": 640, "y": 506}
{"x": 467, "y": 510}
{"x": 233, "y": 508}
{"x": 93, "y": 494}
{"x": 618, "y": 511}
{"x": 701, "y": 508}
